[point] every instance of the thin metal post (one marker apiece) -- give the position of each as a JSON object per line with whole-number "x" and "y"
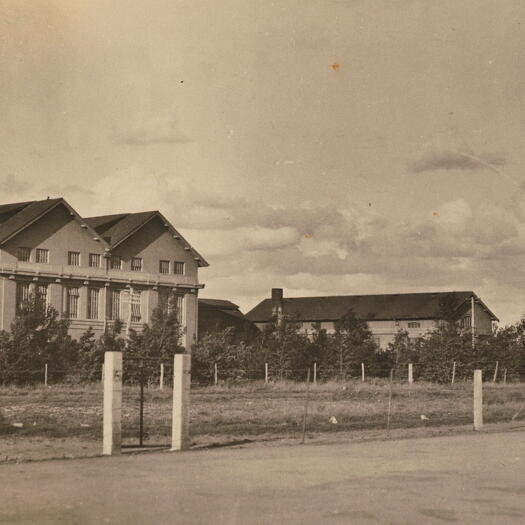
{"x": 216, "y": 374}
{"x": 161, "y": 380}
{"x": 315, "y": 373}
{"x": 389, "y": 403}
{"x": 141, "y": 409}
{"x": 363, "y": 372}
{"x": 478, "y": 400}
{"x": 266, "y": 373}
{"x": 453, "y": 372}
{"x": 306, "y": 405}
{"x": 45, "y": 374}
{"x": 505, "y": 376}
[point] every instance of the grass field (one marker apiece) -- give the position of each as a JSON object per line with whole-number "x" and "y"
{"x": 67, "y": 420}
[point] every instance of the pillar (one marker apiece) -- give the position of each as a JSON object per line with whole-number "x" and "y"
{"x": 112, "y": 438}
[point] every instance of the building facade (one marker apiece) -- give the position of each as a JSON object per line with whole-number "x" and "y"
{"x": 386, "y": 315}
{"x": 96, "y": 270}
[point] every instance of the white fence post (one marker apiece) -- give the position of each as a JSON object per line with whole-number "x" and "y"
{"x": 45, "y": 374}
{"x": 495, "y": 372}
{"x": 215, "y": 374}
{"x": 112, "y": 439}
{"x": 410, "y": 373}
{"x": 161, "y": 380}
{"x": 266, "y": 373}
{"x": 363, "y": 372}
{"x": 180, "y": 436}
{"x": 453, "y": 373}
{"x": 315, "y": 373}
{"x": 478, "y": 400}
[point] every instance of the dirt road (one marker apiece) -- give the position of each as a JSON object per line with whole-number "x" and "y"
{"x": 478, "y": 478}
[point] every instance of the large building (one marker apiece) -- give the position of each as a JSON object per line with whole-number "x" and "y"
{"x": 386, "y": 315}
{"x": 95, "y": 270}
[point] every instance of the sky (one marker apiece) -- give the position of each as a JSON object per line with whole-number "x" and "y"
{"x": 328, "y": 147}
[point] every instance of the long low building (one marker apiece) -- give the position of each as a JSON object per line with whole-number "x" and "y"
{"x": 95, "y": 270}
{"x": 385, "y": 314}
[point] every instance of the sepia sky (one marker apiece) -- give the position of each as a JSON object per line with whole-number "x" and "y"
{"x": 322, "y": 146}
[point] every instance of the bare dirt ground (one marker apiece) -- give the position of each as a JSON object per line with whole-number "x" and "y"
{"x": 479, "y": 478}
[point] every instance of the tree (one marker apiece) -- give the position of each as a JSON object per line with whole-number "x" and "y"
{"x": 37, "y": 336}
{"x": 350, "y": 345}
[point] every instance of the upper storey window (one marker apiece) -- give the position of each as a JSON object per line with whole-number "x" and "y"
{"x": 42, "y": 256}
{"x": 73, "y": 258}
{"x": 24, "y": 253}
{"x": 414, "y": 324}
{"x": 164, "y": 267}
{"x": 136, "y": 264}
{"x": 178, "y": 268}
{"x": 94, "y": 260}
{"x": 115, "y": 263}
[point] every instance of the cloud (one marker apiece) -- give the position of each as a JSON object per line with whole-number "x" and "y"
{"x": 10, "y": 185}
{"x": 455, "y": 159}
{"x": 158, "y": 130}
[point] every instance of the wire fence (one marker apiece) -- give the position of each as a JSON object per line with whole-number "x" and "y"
{"x": 259, "y": 406}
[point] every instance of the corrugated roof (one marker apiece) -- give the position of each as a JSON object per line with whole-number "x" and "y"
{"x": 365, "y": 307}
{"x": 21, "y": 215}
{"x": 220, "y": 304}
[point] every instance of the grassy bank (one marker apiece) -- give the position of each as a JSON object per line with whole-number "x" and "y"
{"x": 252, "y": 411}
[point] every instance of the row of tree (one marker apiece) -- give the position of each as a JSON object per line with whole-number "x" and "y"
{"x": 38, "y": 337}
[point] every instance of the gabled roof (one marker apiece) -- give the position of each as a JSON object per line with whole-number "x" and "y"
{"x": 14, "y": 218}
{"x": 115, "y": 229}
{"x": 366, "y": 307}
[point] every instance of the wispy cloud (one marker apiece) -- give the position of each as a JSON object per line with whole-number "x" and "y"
{"x": 159, "y": 130}
{"x": 455, "y": 159}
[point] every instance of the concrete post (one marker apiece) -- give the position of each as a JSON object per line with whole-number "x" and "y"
{"x": 410, "y": 373}
{"x": 180, "y": 437}
{"x": 363, "y": 372}
{"x": 266, "y": 373}
{"x": 112, "y": 439}
{"x": 478, "y": 400}
{"x": 315, "y": 373}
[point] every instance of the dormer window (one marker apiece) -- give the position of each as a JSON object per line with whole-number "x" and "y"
{"x": 42, "y": 256}
{"x": 24, "y": 254}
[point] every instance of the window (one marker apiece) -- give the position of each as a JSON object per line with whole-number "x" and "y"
{"x": 42, "y": 295}
{"x": 42, "y": 255}
{"x": 377, "y": 341}
{"x": 114, "y": 305}
{"x": 164, "y": 267}
{"x": 135, "y": 299}
{"x": 115, "y": 263}
{"x": 72, "y": 302}
{"x": 73, "y": 258}
{"x": 93, "y": 298}
{"x": 22, "y": 294}
{"x": 467, "y": 322}
{"x": 136, "y": 264}
{"x": 179, "y": 302}
{"x": 178, "y": 268}
{"x": 94, "y": 260}
{"x": 414, "y": 324}
{"x": 24, "y": 254}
